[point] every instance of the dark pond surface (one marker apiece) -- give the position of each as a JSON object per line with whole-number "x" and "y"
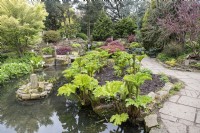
{"x": 51, "y": 115}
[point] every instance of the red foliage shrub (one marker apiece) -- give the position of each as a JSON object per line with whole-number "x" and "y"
{"x": 108, "y": 40}
{"x": 115, "y": 43}
{"x": 113, "y": 47}
{"x": 63, "y": 50}
{"x": 131, "y": 38}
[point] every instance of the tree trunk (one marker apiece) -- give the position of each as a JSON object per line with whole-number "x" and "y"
{"x": 88, "y": 24}
{"x": 17, "y": 45}
{"x": 19, "y": 50}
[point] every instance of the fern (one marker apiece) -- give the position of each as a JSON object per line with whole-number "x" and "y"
{"x": 118, "y": 119}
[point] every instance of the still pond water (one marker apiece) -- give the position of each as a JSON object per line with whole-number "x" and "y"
{"x": 51, "y": 115}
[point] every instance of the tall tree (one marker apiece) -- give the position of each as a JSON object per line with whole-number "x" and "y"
{"x": 20, "y": 23}
{"x": 125, "y": 27}
{"x": 151, "y": 35}
{"x": 103, "y": 27}
{"x": 118, "y": 9}
{"x": 91, "y": 10}
{"x": 115, "y": 8}
{"x": 183, "y": 23}
{"x": 54, "y": 14}
{"x": 69, "y": 23}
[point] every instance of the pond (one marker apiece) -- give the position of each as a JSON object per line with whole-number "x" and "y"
{"x": 51, "y": 115}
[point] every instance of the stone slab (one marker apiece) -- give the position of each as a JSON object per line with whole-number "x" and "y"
{"x": 168, "y": 117}
{"x": 174, "y": 98}
{"x": 179, "y": 111}
{"x": 194, "y": 129}
{"x": 158, "y": 130}
{"x": 161, "y": 95}
{"x": 151, "y": 121}
{"x": 190, "y": 93}
{"x": 198, "y": 117}
{"x": 43, "y": 94}
{"x": 189, "y": 101}
{"x": 41, "y": 85}
{"x": 173, "y": 127}
{"x": 35, "y": 96}
{"x": 185, "y": 122}
{"x": 168, "y": 86}
{"x": 198, "y": 125}
{"x": 25, "y": 96}
{"x": 192, "y": 86}
{"x": 152, "y": 95}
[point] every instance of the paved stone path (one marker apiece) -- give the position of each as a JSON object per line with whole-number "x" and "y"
{"x": 181, "y": 113}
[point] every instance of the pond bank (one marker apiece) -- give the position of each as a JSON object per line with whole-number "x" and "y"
{"x": 51, "y": 115}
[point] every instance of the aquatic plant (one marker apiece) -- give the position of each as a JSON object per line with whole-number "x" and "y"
{"x": 134, "y": 81}
{"x": 82, "y": 86}
{"x": 119, "y": 118}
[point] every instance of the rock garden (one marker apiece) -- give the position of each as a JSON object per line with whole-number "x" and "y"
{"x": 99, "y": 66}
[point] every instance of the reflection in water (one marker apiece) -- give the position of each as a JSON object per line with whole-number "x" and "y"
{"x": 51, "y": 115}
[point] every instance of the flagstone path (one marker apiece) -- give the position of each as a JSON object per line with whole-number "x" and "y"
{"x": 181, "y": 113}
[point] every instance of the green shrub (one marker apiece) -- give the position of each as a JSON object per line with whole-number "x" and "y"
{"x": 125, "y": 27}
{"x": 76, "y": 45}
{"x": 11, "y": 70}
{"x": 173, "y": 50}
{"x": 171, "y": 62}
{"x": 47, "y": 50}
{"x": 163, "y": 57}
{"x": 163, "y": 77}
{"x": 136, "y": 48}
{"x": 51, "y": 36}
{"x": 82, "y": 36}
{"x": 3, "y": 58}
{"x": 181, "y": 58}
{"x": 196, "y": 65}
{"x": 37, "y": 62}
{"x": 97, "y": 45}
{"x": 135, "y": 45}
{"x": 3, "y": 76}
{"x": 103, "y": 28}
{"x": 153, "y": 52}
{"x": 30, "y": 58}
{"x": 146, "y": 70}
{"x": 177, "y": 86}
{"x": 194, "y": 47}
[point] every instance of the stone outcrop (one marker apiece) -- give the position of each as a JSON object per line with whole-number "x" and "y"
{"x": 150, "y": 121}
{"x": 34, "y": 89}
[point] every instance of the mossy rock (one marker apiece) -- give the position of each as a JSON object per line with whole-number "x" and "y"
{"x": 105, "y": 110}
